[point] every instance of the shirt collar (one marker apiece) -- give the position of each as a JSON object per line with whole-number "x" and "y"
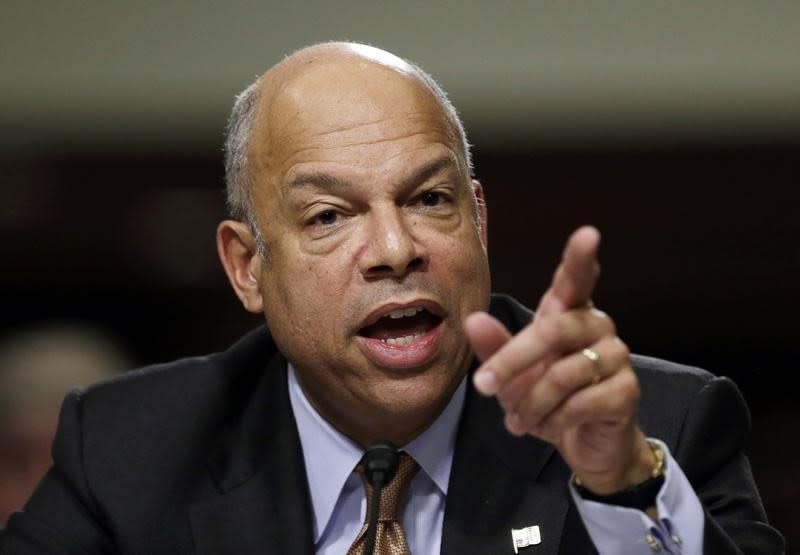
{"x": 433, "y": 448}
{"x": 330, "y": 456}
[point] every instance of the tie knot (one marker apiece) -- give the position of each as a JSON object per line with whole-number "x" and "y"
{"x": 393, "y": 492}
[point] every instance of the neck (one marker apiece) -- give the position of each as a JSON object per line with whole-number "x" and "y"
{"x": 397, "y": 424}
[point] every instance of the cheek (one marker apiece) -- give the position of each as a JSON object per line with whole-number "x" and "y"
{"x": 465, "y": 261}
{"x": 294, "y": 316}
{"x": 302, "y": 295}
{"x": 464, "y": 251}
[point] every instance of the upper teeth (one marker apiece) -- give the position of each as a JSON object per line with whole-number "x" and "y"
{"x": 403, "y": 312}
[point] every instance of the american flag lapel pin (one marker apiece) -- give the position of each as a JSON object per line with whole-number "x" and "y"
{"x": 525, "y": 537}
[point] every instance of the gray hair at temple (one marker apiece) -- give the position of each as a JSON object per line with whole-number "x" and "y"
{"x": 239, "y": 131}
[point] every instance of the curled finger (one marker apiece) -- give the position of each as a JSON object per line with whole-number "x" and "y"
{"x": 568, "y": 375}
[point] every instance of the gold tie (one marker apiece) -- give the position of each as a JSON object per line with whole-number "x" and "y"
{"x": 389, "y": 536}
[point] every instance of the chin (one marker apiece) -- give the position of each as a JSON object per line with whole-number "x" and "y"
{"x": 418, "y": 397}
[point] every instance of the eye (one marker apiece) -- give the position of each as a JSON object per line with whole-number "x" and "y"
{"x": 432, "y": 198}
{"x": 328, "y": 217}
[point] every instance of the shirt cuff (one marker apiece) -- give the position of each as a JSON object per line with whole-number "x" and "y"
{"x": 679, "y": 529}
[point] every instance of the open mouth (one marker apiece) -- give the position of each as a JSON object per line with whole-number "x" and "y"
{"x": 402, "y": 327}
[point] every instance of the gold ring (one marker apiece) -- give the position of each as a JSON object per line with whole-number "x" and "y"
{"x": 595, "y": 358}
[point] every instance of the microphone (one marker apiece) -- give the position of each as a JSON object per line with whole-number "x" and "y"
{"x": 380, "y": 465}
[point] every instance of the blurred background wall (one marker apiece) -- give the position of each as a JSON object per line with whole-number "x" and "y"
{"x": 672, "y": 126}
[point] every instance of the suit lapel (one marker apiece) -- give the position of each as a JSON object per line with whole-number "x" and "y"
{"x": 499, "y": 482}
{"x": 261, "y": 504}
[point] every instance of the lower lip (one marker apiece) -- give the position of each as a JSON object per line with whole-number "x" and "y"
{"x": 415, "y": 355}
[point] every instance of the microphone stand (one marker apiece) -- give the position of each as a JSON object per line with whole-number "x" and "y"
{"x": 380, "y": 464}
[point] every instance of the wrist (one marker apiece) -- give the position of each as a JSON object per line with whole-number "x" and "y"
{"x": 646, "y": 463}
{"x": 641, "y": 495}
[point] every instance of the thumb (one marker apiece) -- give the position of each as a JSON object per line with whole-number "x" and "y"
{"x": 485, "y": 333}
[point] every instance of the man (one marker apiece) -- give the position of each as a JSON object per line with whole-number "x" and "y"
{"x": 360, "y": 236}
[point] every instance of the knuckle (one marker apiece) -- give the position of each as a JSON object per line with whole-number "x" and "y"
{"x": 561, "y": 378}
{"x": 629, "y": 386}
{"x": 601, "y": 322}
{"x": 598, "y": 313}
{"x": 624, "y": 350}
{"x": 607, "y": 326}
{"x": 619, "y": 351}
{"x": 552, "y": 330}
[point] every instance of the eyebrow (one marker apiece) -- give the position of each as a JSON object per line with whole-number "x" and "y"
{"x": 317, "y": 179}
{"x": 330, "y": 182}
{"x": 432, "y": 168}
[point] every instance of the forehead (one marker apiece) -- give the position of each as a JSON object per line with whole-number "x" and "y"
{"x": 348, "y": 109}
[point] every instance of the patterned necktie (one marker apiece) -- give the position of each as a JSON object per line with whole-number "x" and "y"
{"x": 389, "y": 536}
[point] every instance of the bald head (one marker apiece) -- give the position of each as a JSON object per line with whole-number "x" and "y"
{"x": 330, "y": 84}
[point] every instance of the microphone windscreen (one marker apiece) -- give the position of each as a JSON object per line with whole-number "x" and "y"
{"x": 380, "y": 462}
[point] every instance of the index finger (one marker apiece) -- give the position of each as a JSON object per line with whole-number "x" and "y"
{"x": 576, "y": 276}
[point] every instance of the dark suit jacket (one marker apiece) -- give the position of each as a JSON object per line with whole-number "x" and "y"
{"x": 202, "y": 455}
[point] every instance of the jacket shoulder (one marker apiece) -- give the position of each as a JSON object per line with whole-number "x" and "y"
{"x": 170, "y": 415}
{"x": 672, "y": 394}
{"x": 187, "y": 384}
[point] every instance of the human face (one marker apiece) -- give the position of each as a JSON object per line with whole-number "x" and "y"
{"x": 375, "y": 251}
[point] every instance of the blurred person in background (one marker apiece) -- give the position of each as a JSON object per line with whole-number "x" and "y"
{"x": 37, "y": 369}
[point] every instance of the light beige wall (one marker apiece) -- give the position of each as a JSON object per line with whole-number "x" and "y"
{"x": 161, "y": 70}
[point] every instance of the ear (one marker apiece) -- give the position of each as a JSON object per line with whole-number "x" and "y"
{"x": 237, "y": 252}
{"x": 481, "y": 213}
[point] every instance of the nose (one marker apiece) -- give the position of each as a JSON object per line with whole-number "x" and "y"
{"x": 391, "y": 250}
